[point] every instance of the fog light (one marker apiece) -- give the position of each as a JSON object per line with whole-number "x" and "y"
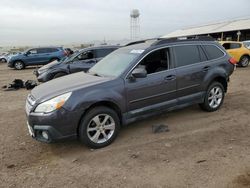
{"x": 45, "y": 135}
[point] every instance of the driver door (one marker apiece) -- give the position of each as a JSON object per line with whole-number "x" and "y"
{"x": 157, "y": 90}
{"x": 83, "y": 62}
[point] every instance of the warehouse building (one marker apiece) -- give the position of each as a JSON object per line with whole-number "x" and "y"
{"x": 235, "y": 30}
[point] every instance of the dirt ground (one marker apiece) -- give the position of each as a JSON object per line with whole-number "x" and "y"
{"x": 200, "y": 150}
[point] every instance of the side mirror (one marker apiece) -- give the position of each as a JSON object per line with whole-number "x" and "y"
{"x": 139, "y": 73}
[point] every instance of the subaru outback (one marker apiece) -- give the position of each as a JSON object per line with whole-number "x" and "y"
{"x": 141, "y": 79}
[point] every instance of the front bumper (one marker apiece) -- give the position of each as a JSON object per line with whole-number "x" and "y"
{"x": 58, "y": 125}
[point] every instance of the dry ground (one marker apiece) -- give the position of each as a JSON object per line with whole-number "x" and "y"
{"x": 201, "y": 150}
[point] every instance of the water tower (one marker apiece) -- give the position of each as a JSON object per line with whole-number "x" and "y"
{"x": 134, "y": 24}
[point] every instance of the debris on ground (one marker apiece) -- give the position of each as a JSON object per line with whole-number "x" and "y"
{"x": 11, "y": 166}
{"x": 201, "y": 161}
{"x": 18, "y": 84}
{"x": 158, "y": 128}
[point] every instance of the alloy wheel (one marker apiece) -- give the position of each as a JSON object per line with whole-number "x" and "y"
{"x": 101, "y": 128}
{"x": 215, "y": 97}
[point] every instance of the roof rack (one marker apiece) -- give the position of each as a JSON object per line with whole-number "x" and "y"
{"x": 182, "y": 39}
{"x": 159, "y": 41}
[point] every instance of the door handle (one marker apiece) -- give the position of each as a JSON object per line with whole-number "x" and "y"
{"x": 205, "y": 69}
{"x": 170, "y": 77}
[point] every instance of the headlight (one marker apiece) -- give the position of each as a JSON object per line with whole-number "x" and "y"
{"x": 53, "y": 104}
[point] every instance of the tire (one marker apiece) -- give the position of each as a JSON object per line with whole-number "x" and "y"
{"x": 60, "y": 74}
{"x": 3, "y": 60}
{"x": 214, "y": 97}
{"x": 19, "y": 65}
{"x": 92, "y": 127}
{"x": 244, "y": 61}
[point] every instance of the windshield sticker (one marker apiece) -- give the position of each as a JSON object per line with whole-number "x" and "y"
{"x": 136, "y": 51}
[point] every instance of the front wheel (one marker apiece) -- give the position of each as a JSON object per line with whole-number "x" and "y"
{"x": 19, "y": 65}
{"x": 214, "y": 97}
{"x": 99, "y": 127}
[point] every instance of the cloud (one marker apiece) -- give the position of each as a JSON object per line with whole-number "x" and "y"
{"x": 76, "y": 21}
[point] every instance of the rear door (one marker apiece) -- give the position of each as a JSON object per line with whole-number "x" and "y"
{"x": 44, "y": 55}
{"x": 190, "y": 71}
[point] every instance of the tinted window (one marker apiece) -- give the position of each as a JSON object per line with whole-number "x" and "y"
{"x": 53, "y": 50}
{"x": 213, "y": 52}
{"x": 42, "y": 50}
{"x": 229, "y": 46}
{"x": 103, "y": 52}
{"x": 187, "y": 55}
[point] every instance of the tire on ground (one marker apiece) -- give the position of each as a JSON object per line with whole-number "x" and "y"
{"x": 208, "y": 104}
{"x": 86, "y": 135}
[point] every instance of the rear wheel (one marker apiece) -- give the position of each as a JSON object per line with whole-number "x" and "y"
{"x": 19, "y": 65}
{"x": 214, "y": 97}
{"x": 244, "y": 61}
{"x": 99, "y": 127}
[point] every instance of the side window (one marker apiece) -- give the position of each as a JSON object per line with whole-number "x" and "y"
{"x": 235, "y": 45}
{"x": 187, "y": 55}
{"x": 213, "y": 52}
{"x": 226, "y": 46}
{"x": 156, "y": 61}
{"x": 42, "y": 50}
{"x": 85, "y": 55}
{"x": 50, "y": 50}
{"x": 103, "y": 52}
{"x": 33, "y": 51}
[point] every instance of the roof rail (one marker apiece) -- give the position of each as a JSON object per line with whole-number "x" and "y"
{"x": 140, "y": 41}
{"x": 181, "y": 39}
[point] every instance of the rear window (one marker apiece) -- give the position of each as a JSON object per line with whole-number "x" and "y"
{"x": 213, "y": 52}
{"x": 229, "y": 46}
{"x": 187, "y": 55}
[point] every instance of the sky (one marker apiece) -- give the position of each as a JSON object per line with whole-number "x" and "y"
{"x": 48, "y": 22}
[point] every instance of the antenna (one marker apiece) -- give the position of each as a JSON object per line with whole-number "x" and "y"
{"x": 134, "y": 24}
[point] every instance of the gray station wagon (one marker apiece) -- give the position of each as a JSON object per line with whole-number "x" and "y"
{"x": 141, "y": 79}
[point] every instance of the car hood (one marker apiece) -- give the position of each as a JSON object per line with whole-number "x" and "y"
{"x": 49, "y": 65}
{"x": 66, "y": 84}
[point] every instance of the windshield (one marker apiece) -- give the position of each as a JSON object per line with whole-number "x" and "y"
{"x": 247, "y": 44}
{"x": 115, "y": 63}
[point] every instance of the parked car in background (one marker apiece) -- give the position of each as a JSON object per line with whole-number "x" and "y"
{"x": 36, "y": 56}
{"x": 83, "y": 60}
{"x": 237, "y": 50}
{"x": 3, "y": 57}
{"x": 131, "y": 83}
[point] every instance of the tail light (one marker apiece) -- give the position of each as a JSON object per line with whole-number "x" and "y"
{"x": 233, "y": 61}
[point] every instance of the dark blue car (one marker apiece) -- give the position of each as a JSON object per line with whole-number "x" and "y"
{"x": 82, "y": 60}
{"x": 36, "y": 56}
